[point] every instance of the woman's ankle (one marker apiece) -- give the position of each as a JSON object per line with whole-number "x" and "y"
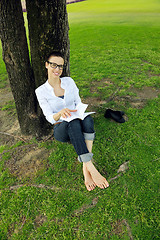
{"x": 90, "y": 166}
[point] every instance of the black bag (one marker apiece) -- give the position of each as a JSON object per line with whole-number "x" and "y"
{"x": 115, "y": 115}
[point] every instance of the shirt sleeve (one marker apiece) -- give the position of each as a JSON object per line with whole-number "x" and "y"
{"x": 77, "y": 98}
{"x": 46, "y": 109}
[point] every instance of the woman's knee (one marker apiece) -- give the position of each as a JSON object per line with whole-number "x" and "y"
{"x": 61, "y": 133}
{"x": 75, "y": 124}
{"x": 88, "y": 125}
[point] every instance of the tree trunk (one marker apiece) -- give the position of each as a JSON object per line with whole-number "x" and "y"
{"x": 16, "y": 58}
{"x": 48, "y": 31}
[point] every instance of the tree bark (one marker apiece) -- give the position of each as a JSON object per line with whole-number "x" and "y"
{"x": 48, "y": 31}
{"x": 16, "y": 58}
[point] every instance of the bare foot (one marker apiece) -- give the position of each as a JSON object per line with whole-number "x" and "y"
{"x": 90, "y": 185}
{"x": 97, "y": 178}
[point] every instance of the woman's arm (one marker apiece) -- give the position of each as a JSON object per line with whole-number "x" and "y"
{"x": 51, "y": 116}
{"x": 77, "y": 98}
{"x": 46, "y": 109}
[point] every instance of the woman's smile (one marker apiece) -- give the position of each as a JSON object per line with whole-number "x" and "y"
{"x": 56, "y": 73}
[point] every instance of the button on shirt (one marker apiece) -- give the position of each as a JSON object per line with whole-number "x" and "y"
{"x": 51, "y": 104}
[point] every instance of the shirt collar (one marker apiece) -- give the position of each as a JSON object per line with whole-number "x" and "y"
{"x": 50, "y": 88}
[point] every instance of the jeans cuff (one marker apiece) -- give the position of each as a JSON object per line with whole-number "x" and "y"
{"x": 85, "y": 157}
{"x": 89, "y": 136}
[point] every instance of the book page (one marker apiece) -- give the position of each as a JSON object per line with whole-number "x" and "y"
{"x": 81, "y": 107}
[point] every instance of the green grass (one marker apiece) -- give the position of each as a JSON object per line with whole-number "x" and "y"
{"x": 115, "y": 41}
{"x": 9, "y": 106}
{"x": 124, "y": 55}
{"x": 3, "y": 73}
{"x": 133, "y": 197}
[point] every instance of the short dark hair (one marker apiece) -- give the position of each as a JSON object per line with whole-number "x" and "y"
{"x": 54, "y": 54}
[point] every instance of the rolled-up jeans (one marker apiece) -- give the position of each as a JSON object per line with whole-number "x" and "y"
{"x": 76, "y": 132}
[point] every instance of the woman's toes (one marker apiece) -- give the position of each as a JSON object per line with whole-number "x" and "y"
{"x": 103, "y": 185}
{"x": 106, "y": 184}
{"x": 89, "y": 188}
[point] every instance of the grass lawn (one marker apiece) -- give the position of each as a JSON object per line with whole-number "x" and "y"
{"x": 115, "y": 52}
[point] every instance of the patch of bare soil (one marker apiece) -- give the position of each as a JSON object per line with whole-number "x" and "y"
{"x": 26, "y": 161}
{"x": 137, "y": 101}
{"x": 9, "y": 126}
{"x": 8, "y": 121}
{"x": 140, "y": 98}
{"x": 121, "y": 228}
{"x": 39, "y": 220}
{"x": 6, "y": 95}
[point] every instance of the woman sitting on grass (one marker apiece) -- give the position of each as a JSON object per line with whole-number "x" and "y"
{"x": 58, "y": 98}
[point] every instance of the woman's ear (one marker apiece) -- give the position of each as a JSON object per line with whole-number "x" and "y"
{"x": 46, "y": 65}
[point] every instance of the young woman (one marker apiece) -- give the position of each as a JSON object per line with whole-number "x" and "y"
{"x": 58, "y": 97}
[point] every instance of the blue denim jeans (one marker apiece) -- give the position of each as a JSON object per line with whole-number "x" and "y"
{"x": 76, "y": 132}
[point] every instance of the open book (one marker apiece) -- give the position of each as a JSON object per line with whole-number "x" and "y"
{"x": 81, "y": 114}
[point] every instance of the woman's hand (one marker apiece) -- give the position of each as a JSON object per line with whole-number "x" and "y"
{"x": 63, "y": 113}
{"x": 66, "y": 112}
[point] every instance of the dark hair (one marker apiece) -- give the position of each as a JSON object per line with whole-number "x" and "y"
{"x": 54, "y": 54}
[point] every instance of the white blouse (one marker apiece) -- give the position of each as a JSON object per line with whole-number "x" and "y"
{"x": 51, "y": 104}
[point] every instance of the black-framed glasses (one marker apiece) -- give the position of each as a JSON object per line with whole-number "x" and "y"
{"x": 55, "y": 65}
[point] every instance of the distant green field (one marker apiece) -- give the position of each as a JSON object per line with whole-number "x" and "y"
{"x": 115, "y": 6}
{"x": 116, "y": 12}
